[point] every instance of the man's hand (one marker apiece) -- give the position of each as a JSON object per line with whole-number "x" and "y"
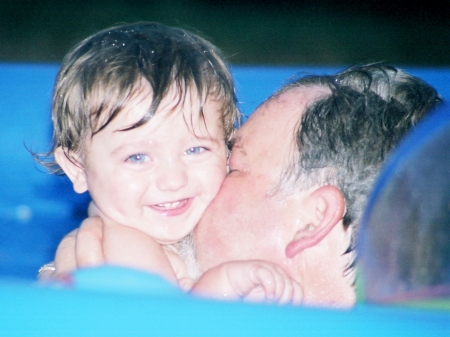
{"x": 255, "y": 281}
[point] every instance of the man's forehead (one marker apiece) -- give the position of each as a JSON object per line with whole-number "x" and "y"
{"x": 284, "y": 108}
{"x": 275, "y": 122}
{"x": 297, "y": 99}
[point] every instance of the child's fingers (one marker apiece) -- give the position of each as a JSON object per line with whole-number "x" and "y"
{"x": 297, "y": 297}
{"x": 266, "y": 278}
{"x": 267, "y": 282}
{"x": 259, "y": 285}
{"x": 274, "y": 283}
{"x": 292, "y": 292}
{"x": 285, "y": 288}
{"x": 279, "y": 287}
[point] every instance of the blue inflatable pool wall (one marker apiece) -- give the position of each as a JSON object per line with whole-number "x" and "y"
{"x": 37, "y": 209}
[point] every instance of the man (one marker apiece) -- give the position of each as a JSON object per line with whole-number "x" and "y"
{"x": 300, "y": 172}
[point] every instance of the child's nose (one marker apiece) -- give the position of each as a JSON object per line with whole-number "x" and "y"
{"x": 172, "y": 176}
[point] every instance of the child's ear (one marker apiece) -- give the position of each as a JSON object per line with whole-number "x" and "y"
{"x": 327, "y": 206}
{"x": 73, "y": 168}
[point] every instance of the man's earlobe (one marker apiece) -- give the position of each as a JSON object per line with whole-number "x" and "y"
{"x": 73, "y": 168}
{"x": 328, "y": 205}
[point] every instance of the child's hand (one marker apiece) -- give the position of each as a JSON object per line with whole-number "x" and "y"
{"x": 80, "y": 248}
{"x": 267, "y": 282}
{"x": 65, "y": 260}
{"x": 256, "y": 281}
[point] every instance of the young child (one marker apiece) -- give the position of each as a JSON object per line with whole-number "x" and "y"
{"x": 141, "y": 117}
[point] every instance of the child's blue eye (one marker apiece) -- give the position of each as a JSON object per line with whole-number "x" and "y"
{"x": 195, "y": 150}
{"x": 138, "y": 158}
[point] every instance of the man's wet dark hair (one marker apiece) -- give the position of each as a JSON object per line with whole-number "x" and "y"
{"x": 344, "y": 136}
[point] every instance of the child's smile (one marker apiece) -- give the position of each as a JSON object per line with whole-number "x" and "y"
{"x": 172, "y": 208}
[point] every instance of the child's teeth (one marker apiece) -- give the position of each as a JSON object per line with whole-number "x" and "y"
{"x": 169, "y": 205}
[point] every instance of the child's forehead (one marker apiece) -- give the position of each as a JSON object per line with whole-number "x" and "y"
{"x": 119, "y": 109}
{"x": 175, "y": 105}
{"x": 187, "y": 101}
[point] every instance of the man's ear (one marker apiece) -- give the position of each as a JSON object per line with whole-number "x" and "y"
{"x": 327, "y": 210}
{"x": 73, "y": 168}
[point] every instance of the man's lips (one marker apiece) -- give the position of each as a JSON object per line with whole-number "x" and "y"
{"x": 173, "y": 208}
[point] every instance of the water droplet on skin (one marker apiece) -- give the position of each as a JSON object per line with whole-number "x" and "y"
{"x": 281, "y": 202}
{"x": 279, "y": 238}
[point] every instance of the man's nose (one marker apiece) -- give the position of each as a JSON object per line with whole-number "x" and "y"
{"x": 172, "y": 176}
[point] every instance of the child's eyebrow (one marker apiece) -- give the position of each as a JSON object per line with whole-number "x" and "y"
{"x": 130, "y": 146}
{"x": 206, "y": 135}
{"x": 211, "y": 140}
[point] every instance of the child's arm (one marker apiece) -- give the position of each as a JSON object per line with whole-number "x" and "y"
{"x": 255, "y": 280}
{"x": 89, "y": 240}
{"x": 65, "y": 259}
{"x": 80, "y": 248}
{"x": 129, "y": 247}
{"x": 96, "y": 244}
{"x": 121, "y": 245}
